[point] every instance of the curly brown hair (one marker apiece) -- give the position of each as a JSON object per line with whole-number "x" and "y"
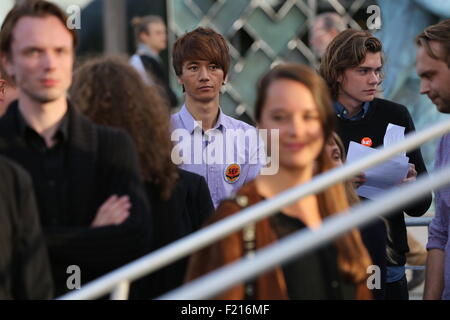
{"x": 110, "y": 92}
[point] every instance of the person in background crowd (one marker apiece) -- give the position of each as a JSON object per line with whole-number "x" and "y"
{"x": 433, "y": 68}
{"x": 151, "y": 38}
{"x": 352, "y": 67}
{"x": 90, "y": 196}
{"x": 326, "y": 26}
{"x": 293, "y": 99}
{"x": 111, "y": 93}
{"x": 8, "y": 93}
{"x": 201, "y": 60}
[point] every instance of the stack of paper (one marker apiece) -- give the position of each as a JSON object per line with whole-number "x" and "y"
{"x": 385, "y": 175}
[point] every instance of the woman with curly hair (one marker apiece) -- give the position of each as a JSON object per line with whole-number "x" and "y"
{"x": 110, "y": 92}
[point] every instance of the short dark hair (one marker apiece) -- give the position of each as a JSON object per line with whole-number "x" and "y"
{"x": 201, "y": 44}
{"x": 30, "y": 8}
{"x": 347, "y": 50}
{"x": 440, "y": 33}
{"x": 141, "y": 24}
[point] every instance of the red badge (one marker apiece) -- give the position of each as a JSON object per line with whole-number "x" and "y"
{"x": 366, "y": 142}
{"x": 232, "y": 173}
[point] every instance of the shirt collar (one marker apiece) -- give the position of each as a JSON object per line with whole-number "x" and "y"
{"x": 143, "y": 49}
{"x": 190, "y": 123}
{"x": 342, "y": 112}
{"x": 63, "y": 129}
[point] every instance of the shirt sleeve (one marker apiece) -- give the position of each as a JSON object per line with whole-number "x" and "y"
{"x": 438, "y": 229}
{"x": 257, "y": 159}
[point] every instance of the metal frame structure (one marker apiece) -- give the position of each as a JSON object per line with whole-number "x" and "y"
{"x": 197, "y": 240}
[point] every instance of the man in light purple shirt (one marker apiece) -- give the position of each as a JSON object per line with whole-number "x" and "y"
{"x": 227, "y": 152}
{"x": 433, "y": 68}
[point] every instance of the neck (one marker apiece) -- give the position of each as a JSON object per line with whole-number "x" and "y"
{"x": 44, "y": 118}
{"x": 352, "y": 106}
{"x": 307, "y": 208}
{"x": 285, "y": 178}
{"x": 207, "y": 113}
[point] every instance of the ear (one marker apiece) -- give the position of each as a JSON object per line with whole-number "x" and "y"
{"x": 339, "y": 79}
{"x": 7, "y": 67}
{"x": 225, "y": 80}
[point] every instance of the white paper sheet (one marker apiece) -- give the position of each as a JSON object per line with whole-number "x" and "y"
{"x": 380, "y": 177}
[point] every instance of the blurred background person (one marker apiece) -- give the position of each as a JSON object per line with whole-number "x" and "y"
{"x": 151, "y": 38}
{"x": 325, "y": 27}
{"x": 24, "y": 264}
{"x": 295, "y": 100}
{"x": 111, "y": 93}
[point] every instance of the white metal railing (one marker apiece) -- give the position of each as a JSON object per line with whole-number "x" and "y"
{"x": 199, "y": 239}
{"x": 306, "y": 240}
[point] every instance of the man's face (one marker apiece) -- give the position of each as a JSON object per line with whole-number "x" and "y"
{"x": 321, "y": 37}
{"x": 202, "y": 80}
{"x": 41, "y": 58}
{"x": 359, "y": 84}
{"x": 434, "y": 77}
{"x": 156, "y": 38}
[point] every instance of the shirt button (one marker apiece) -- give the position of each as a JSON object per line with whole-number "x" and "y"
{"x": 334, "y": 284}
{"x": 52, "y": 183}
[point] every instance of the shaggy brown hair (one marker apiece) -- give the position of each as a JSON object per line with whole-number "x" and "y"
{"x": 353, "y": 257}
{"x": 110, "y": 92}
{"x": 347, "y": 50}
{"x": 201, "y": 44}
{"x": 440, "y": 33}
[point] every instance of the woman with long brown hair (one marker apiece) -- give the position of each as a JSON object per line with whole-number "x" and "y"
{"x": 294, "y": 100}
{"x": 110, "y": 92}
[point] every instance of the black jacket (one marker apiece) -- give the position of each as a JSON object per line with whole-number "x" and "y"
{"x": 24, "y": 265}
{"x": 100, "y": 162}
{"x": 374, "y": 125}
{"x": 186, "y": 210}
{"x": 156, "y": 70}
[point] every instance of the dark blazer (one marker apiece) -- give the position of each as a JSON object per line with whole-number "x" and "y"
{"x": 24, "y": 265}
{"x": 100, "y": 162}
{"x": 189, "y": 206}
{"x": 156, "y": 69}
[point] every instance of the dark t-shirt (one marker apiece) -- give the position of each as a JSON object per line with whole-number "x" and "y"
{"x": 315, "y": 275}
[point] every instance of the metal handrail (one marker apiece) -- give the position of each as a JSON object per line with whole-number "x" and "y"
{"x": 305, "y": 240}
{"x": 418, "y": 222}
{"x": 199, "y": 239}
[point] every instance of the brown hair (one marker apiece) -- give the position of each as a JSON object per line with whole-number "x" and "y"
{"x": 30, "y": 8}
{"x": 440, "y": 33}
{"x": 347, "y": 50}
{"x": 141, "y": 24}
{"x": 110, "y": 92}
{"x": 201, "y": 44}
{"x": 352, "y": 255}
{"x": 352, "y": 196}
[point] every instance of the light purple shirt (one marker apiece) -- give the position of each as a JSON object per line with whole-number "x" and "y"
{"x": 439, "y": 227}
{"x": 226, "y": 166}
